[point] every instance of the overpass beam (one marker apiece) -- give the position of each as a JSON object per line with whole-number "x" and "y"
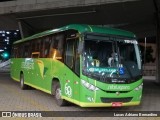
{"x": 25, "y": 29}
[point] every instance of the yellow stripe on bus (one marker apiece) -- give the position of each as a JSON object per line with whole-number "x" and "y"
{"x": 86, "y": 104}
{"x": 39, "y": 88}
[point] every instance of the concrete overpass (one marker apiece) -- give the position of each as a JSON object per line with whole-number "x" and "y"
{"x": 31, "y": 16}
{"x": 38, "y": 15}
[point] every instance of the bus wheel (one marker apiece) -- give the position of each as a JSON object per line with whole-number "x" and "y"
{"x": 57, "y": 90}
{"x": 23, "y": 86}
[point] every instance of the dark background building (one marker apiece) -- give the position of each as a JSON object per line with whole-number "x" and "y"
{"x": 7, "y": 37}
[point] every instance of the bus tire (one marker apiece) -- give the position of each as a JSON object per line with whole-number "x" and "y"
{"x": 22, "y": 85}
{"x": 57, "y": 93}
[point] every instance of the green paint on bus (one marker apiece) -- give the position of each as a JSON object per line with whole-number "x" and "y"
{"x": 88, "y": 65}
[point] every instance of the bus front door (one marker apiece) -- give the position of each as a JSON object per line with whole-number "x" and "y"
{"x": 71, "y": 86}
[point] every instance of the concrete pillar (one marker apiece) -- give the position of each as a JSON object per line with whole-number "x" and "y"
{"x": 157, "y": 16}
{"x": 20, "y": 28}
{"x": 25, "y": 29}
{"x": 158, "y": 49}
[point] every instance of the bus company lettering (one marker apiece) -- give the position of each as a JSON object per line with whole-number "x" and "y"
{"x": 28, "y": 65}
{"x": 116, "y": 87}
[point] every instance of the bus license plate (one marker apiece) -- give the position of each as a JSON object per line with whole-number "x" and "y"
{"x": 116, "y": 104}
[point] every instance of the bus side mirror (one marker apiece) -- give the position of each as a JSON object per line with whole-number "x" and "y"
{"x": 80, "y": 47}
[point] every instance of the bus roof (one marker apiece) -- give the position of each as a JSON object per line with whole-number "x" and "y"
{"x": 81, "y": 28}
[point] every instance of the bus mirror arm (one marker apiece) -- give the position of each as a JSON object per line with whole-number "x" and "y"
{"x": 80, "y": 47}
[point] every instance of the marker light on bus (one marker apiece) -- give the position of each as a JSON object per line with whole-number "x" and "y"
{"x": 89, "y": 86}
{"x": 139, "y": 87}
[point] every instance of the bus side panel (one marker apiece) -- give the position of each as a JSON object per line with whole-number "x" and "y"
{"x": 69, "y": 81}
{"x": 43, "y": 73}
{"x": 16, "y": 68}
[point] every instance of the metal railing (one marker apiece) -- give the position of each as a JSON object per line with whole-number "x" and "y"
{"x": 5, "y": 66}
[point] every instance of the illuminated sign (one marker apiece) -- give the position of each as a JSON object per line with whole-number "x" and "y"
{"x": 131, "y": 41}
{"x": 109, "y": 70}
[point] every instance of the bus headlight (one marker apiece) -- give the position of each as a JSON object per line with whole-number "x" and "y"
{"x": 139, "y": 87}
{"x": 89, "y": 86}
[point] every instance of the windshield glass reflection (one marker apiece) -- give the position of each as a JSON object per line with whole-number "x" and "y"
{"x": 111, "y": 58}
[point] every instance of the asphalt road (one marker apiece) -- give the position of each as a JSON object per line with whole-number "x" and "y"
{"x": 12, "y": 98}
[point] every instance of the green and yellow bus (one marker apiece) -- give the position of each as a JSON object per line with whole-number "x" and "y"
{"x": 88, "y": 65}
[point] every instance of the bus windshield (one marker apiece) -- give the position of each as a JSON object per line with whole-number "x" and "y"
{"x": 111, "y": 59}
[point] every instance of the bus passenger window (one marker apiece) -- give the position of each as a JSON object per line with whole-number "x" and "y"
{"x": 56, "y": 54}
{"x": 47, "y": 47}
{"x": 41, "y": 48}
{"x": 26, "y": 52}
{"x": 20, "y": 51}
{"x": 69, "y": 53}
{"x": 77, "y": 60}
{"x": 15, "y": 52}
{"x": 57, "y": 47}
